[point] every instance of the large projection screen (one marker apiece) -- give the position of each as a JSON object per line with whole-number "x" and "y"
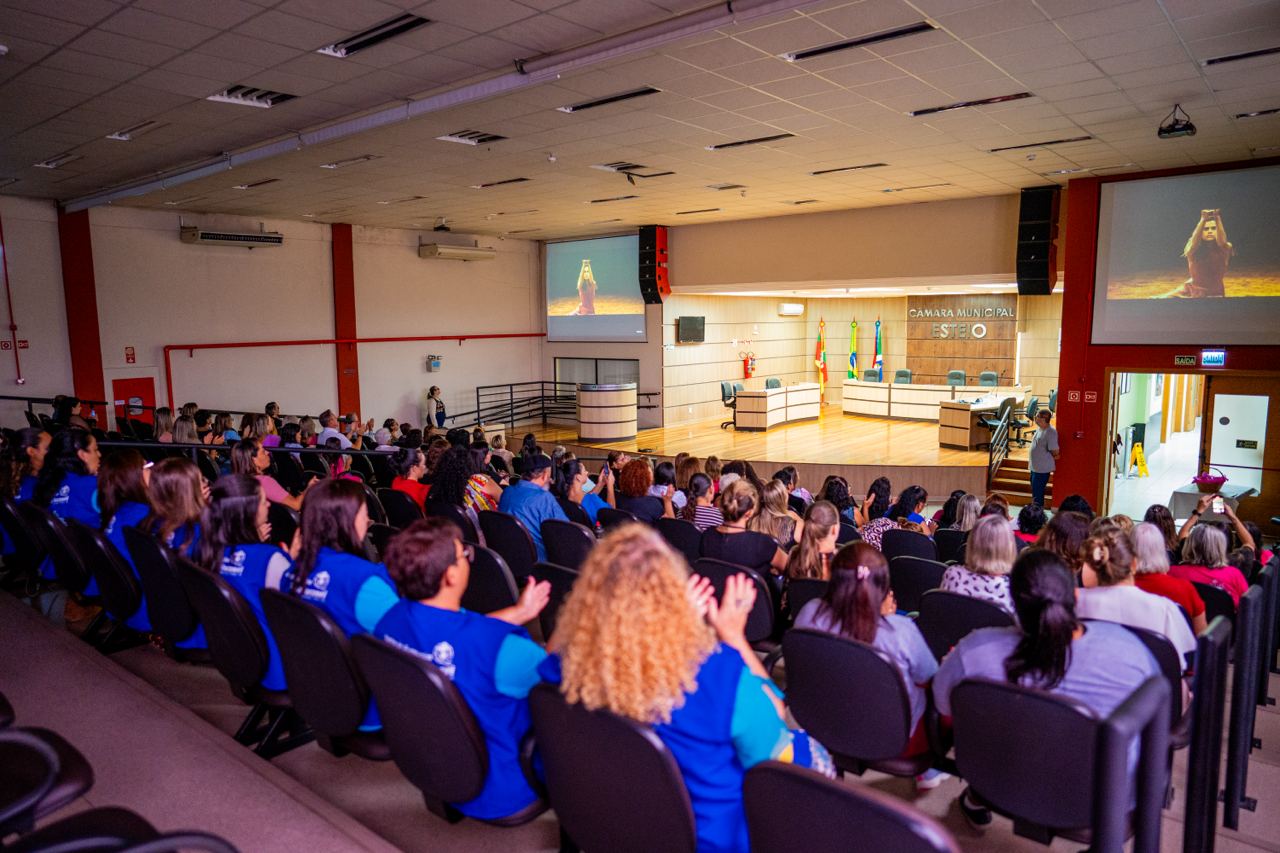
{"x": 593, "y": 290}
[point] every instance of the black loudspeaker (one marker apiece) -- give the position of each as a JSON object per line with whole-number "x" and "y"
{"x": 654, "y": 284}
{"x": 1037, "y": 261}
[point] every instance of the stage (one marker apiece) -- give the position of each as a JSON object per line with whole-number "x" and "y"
{"x": 857, "y": 448}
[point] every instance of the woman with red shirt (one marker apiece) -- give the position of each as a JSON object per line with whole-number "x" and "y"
{"x": 1152, "y": 574}
{"x": 409, "y": 464}
{"x": 1204, "y": 560}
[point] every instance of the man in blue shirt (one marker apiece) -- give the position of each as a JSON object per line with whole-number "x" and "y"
{"x": 490, "y": 659}
{"x": 529, "y": 500}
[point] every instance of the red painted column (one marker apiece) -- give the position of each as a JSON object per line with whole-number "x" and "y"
{"x": 79, "y": 287}
{"x": 344, "y": 317}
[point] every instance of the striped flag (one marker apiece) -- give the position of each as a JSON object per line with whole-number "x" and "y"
{"x": 820, "y": 359}
{"x": 853, "y": 349}
{"x": 879, "y": 363}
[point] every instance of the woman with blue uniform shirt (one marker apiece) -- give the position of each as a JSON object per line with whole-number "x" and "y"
{"x": 491, "y": 659}
{"x": 22, "y": 460}
{"x": 122, "y": 495}
{"x": 233, "y": 544}
{"x": 640, "y": 637}
{"x": 68, "y": 485}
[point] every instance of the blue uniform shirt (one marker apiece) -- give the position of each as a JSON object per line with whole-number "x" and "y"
{"x": 25, "y": 490}
{"x": 130, "y": 514}
{"x": 533, "y": 505}
{"x": 250, "y": 569}
{"x": 76, "y": 497}
{"x": 494, "y": 665}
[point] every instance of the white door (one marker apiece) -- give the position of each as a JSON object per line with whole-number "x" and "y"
{"x": 1239, "y": 437}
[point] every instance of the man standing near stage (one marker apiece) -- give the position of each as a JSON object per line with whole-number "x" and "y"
{"x": 1043, "y": 457}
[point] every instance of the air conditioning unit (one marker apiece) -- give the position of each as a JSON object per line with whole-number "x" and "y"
{"x": 456, "y": 253}
{"x": 192, "y": 234}
{"x": 790, "y": 309}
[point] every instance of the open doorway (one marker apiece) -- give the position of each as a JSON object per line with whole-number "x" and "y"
{"x": 1156, "y": 422}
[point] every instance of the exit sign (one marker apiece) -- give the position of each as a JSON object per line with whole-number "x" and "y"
{"x": 1213, "y": 358}
{"x": 1184, "y": 361}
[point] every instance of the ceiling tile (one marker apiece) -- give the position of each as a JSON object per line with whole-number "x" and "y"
{"x": 105, "y": 67}
{"x": 992, "y": 18}
{"x": 148, "y": 26}
{"x": 38, "y": 28}
{"x": 351, "y": 15}
{"x": 291, "y": 30}
{"x": 221, "y": 15}
{"x": 87, "y": 12}
{"x": 546, "y": 33}
{"x": 123, "y": 47}
{"x": 797, "y": 34}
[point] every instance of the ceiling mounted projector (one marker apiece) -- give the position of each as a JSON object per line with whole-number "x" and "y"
{"x": 1176, "y": 123}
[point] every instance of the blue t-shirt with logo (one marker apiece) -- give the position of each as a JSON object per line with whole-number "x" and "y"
{"x": 76, "y": 497}
{"x": 130, "y": 514}
{"x": 26, "y": 488}
{"x": 494, "y": 665}
{"x": 252, "y": 568}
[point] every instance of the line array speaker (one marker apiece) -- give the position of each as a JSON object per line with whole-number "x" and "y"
{"x": 654, "y": 284}
{"x": 1037, "y": 261}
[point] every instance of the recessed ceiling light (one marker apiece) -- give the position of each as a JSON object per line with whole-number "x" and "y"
{"x": 861, "y": 41}
{"x": 1040, "y": 144}
{"x": 256, "y": 184}
{"x": 759, "y": 140}
{"x": 129, "y": 134}
{"x": 722, "y": 187}
{"x": 499, "y": 183}
{"x": 614, "y": 198}
{"x": 1258, "y": 113}
{"x": 471, "y": 137}
{"x": 350, "y": 161}
{"x": 404, "y": 200}
{"x": 703, "y": 210}
{"x": 178, "y": 202}
{"x": 960, "y": 105}
{"x": 250, "y": 96}
{"x": 308, "y": 215}
{"x": 917, "y": 187}
{"x": 375, "y": 35}
{"x": 847, "y": 169}
{"x": 802, "y": 201}
{"x": 1237, "y": 57}
{"x": 60, "y": 160}
{"x": 609, "y": 99}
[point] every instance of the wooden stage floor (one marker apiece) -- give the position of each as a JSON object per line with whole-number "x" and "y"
{"x": 857, "y": 448}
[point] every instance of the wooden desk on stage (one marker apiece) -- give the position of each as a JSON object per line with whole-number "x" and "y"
{"x": 757, "y": 411}
{"x": 960, "y": 424}
{"x": 606, "y": 412}
{"x": 916, "y": 402}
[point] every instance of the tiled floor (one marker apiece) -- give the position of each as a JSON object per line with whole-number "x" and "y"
{"x": 1172, "y": 465}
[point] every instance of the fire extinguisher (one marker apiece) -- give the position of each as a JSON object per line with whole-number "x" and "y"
{"x": 748, "y": 364}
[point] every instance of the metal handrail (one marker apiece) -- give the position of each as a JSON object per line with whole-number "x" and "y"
{"x": 164, "y": 445}
{"x": 998, "y": 449}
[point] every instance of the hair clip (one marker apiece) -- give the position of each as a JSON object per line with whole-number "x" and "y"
{"x": 863, "y": 573}
{"x": 1099, "y": 554}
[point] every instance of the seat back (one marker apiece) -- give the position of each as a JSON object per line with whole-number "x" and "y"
{"x": 911, "y": 577}
{"x": 871, "y": 375}
{"x": 457, "y": 515}
{"x": 567, "y": 542}
{"x": 377, "y": 514}
{"x": 401, "y": 509}
{"x": 31, "y": 768}
{"x": 955, "y": 377}
{"x": 848, "y": 533}
{"x": 236, "y": 641}
{"x": 378, "y": 537}
{"x": 1171, "y": 664}
{"x": 849, "y": 695}
{"x": 613, "y": 784}
{"x": 168, "y": 607}
{"x": 950, "y": 544}
{"x": 491, "y": 586}
{"x": 797, "y": 504}
{"x": 1053, "y": 400}
{"x": 505, "y": 534}
{"x": 28, "y": 548}
{"x": 53, "y": 536}
{"x": 118, "y": 586}
{"x": 315, "y": 463}
{"x": 1217, "y": 602}
{"x": 800, "y": 591}
{"x": 575, "y": 512}
{"x": 902, "y": 376}
{"x": 1269, "y": 580}
{"x": 899, "y": 542}
{"x": 360, "y": 465}
{"x": 284, "y": 523}
{"x": 682, "y": 536}
{"x": 382, "y": 475}
{"x": 726, "y": 392}
{"x": 610, "y": 517}
{"x": 948, "y": 617}
{"x": 793, "y": 808}
{"x": 325, "y": 685}
{"x": 207, "y": 469}
{"x": 289, "y": 472}
{"x": 773, "y": 382}
{"x": 760, "y": 620}
{"x": 561, "y": 580}
{"x": 738, "y": 386}
{"x": 447, "y": 760}
{"x": 988, "y": 378}
{"x": 1204, "y": 754}
{"x": 1033, "y": 406}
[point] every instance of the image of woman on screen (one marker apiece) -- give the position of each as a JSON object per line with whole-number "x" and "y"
{"x": 1208, "y": 253}
{"x": 586, "y": 289}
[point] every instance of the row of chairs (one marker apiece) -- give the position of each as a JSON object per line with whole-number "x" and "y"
{"x": 41, "y": 774}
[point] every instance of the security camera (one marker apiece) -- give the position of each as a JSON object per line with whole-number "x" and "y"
{"x": 1177, "y": 123}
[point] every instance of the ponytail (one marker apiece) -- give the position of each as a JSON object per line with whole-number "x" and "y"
{"x": 1043, "y": 591}
{"x": 858, "y": 586}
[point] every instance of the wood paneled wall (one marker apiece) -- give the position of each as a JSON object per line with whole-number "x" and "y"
{"x": 1040, "y": 322}
{"x": 930, "y": 355}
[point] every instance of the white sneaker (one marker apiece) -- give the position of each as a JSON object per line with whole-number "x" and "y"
{"x": 931, "y": 779}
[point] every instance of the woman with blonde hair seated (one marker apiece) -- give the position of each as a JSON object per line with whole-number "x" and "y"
{"x": 642, "y": 638}
{"x": 812, "y": 555}
{"x": 775, "y": 518}
{"x": 989, "y": 553}
{"x": 967, "y": 510}
{"x": 1152, "y": 573}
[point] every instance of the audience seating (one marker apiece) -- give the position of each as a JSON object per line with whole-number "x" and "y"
{"x": 360, "y": 465}
{"x": 103, "y": 829}
{"x": 682, "y": 536}
{"x": 1208, "y": 711}
{"x": 446, "y": 759}
{"x": 315, "y": 463}
{"x": 1240, "y": 725}
{"x": 289, "y": 472}
{"x": 284, "y": 522}
{"x": 1217, "y": 602}
{"x": 613, "y": 784}
{"x": 210, "y": 470}
{"x": 793, "y": 808}
{"x": 505, "y": 534}
{"x": 490, "y": 586}
{"x": 988, "y": 379}
{"x": 848, "y": 533}
{"x": 1172, "y": 667}
{"x": 950, "y": 544}
{"x": 1055, "y": 768}
{"x": 955, "y": 377}
{"x": 730, "y": 401}
{"x": 52, "y": 535}
{"x": 948, "y": 617}
{"x": 907, "y": 543}
{"x": 457, "y": 515}
{"x": 6, "y": 712}
{"x": 567, "y": 542}
{"x": 561, "y": 580}
{"x": 851, "y": 697}
{"x": 761, "y": 620}
{"x": 325, "y": 685}
{"x": 401, "y": 509}
{"x": 797, "y": 504}
{"x": 378, "y": 537}
{"x": 575, "y": 512}
{"x": 239, "y": 651}
{"x": 382, "y": 475}
{"x": 800, "y": 591}
{"x": 911, "y": 578}
{"x": 41, "y": 774}
{"x": 377, "y": 514}
{"x": 902, "y": 376}
{"x": 610, "y": 517}
{"x": 1269, "y": 580}
{"x": 118, "y": 587}
{"x": 28, "y": 549}
{"x": 168, "y": 606}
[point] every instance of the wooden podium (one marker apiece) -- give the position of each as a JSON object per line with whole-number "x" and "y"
{"x": 606, "y": 412}
{"x": 960, "y": 424}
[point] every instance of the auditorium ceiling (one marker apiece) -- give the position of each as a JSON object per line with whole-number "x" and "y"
{"x": 1099, "y": 74}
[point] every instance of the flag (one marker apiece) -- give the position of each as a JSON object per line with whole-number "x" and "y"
{"x": 879, "y": 362}
{"x": 820, "y": 359}
{"x": 853, "y": 349}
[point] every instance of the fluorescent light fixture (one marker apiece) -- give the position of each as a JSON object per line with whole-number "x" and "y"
{"x": 703, "y": 210}
{"x": 759, "y": 140}
{"x": 60, "y": 160}
{"x": 847, "y": 169}
{"x": 525, "y": 231}
{"x": 1237, "y": 57}
{"x": 860, "y": 41}
{"x": 603, "y": 221}
{"x": 471, "y": 137}
{"x": 960, "y": 105}
{"x": 256, "y": 184}
{"x": 917, "y": 187}
{"x": 801, "y": 201}
{"x": 1258, "y": 113}
{"x": 350, "y": 161}
{"x": 498, "y": 183}
{"x": 178, "y": 202}
{"x": 375, "y": 35}
{"x": 609, "y": 99}
{"x": 1064, "y": 171}
{"x": 1040, "y": 144}
{"x": 722, "y": 187}
{"x": 613, "y": 198}
{"x": 129, "y": 134}
{"x": 250, "y": 96}
{"x": 407, "y": 198}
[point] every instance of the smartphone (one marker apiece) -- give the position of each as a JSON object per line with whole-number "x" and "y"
{"x": 1217, "y": 504}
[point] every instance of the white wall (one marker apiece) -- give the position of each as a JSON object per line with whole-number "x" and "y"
{"x": 399, "y": 294}
{"x": 34, "y": 263}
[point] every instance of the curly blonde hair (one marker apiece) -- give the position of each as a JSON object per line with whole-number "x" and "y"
{"x": 628, "y": 637}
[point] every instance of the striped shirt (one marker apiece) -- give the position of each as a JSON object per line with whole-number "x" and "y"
{"x": 703, "y": 517}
